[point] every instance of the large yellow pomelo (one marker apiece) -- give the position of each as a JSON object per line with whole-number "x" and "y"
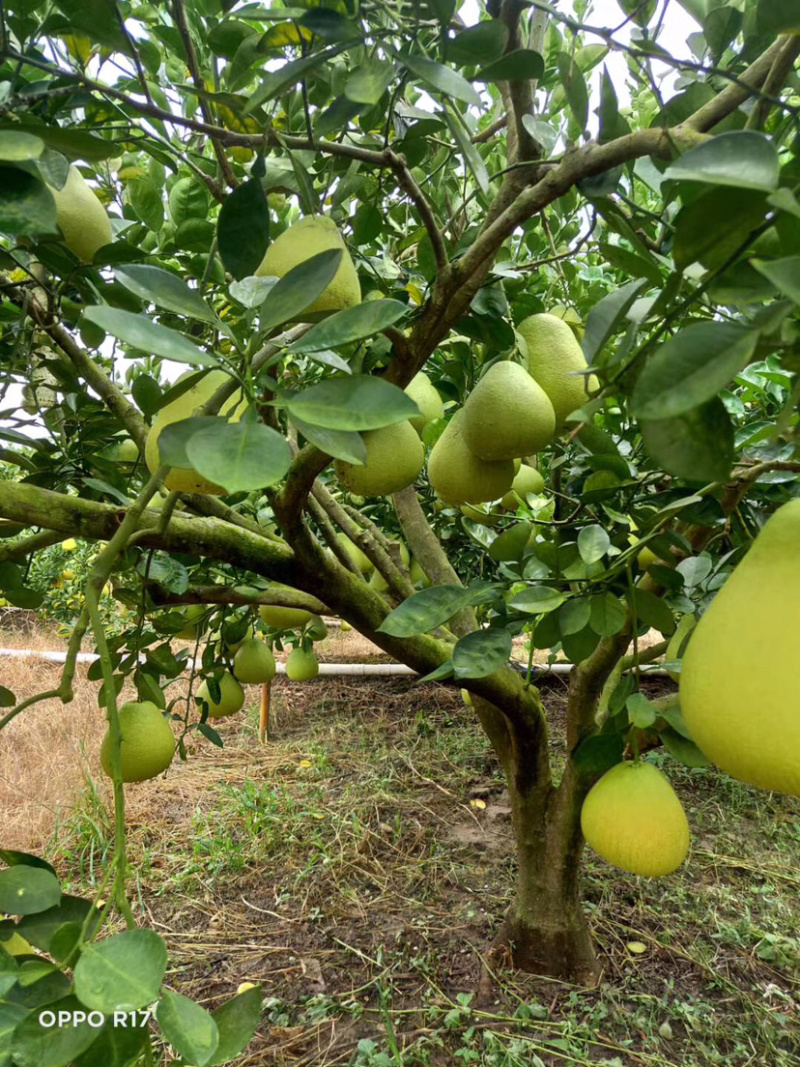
{"x": 633, "y": 819}
{"x": 284, "y": 618}
{"x": 307, "y": 238}
{"x": 507, "y": 415}
{"x": 231, "y": 697}
{"x": 148, "y": 744}
{"x": 555, "y": 359}
{"x": 458, "y": 476}
{"x": 254, "y": 663}
{"x": 739, "y": 682}
{"x": 395, "y": 456}
{"x": 81, "y": 217}
{"x": 301, "y": 666}
{"x": 184, "y": 479}
{"x": 425, "y": 395}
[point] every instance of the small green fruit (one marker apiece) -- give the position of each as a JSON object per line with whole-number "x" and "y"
{"x": 301, "y": 666}
{"x": 231, "y": 697}
{"x": 254, "y": 662}
{"x": 148, "y": 744}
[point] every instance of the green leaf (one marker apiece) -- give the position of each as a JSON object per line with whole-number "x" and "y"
{"x": 116, "y": 1046}
{"x": 291, "y": 73}
{"x": 606, "y": 614}
{"x": 25, "y": 890}
{"x": 358, "y": 402}
{"x": 682, "y": 749}
{"x": 599, "y": 753}
{"x": 574, "y": 87}
{"x": 641, "y": 712}
{"x": 188, "y": 1027}
{"x": 39, "y": 929}
{"x": 574, "y": 615}
{"x": 98, "y": 19}
{"x": 73, "y": 143}
{"x": 9, "y": 974}
{"x": 351, "y": 324}
{"x": 520, "y": 65}
{"x": 239, "y": 455}
{"x": 469, "y": 151}
{"x": 537, "y": 599}
{"x": 145, "y": 199}
{"x": 299, "y": 288}
{"x": 123, "y": 972}
{"x": 612, "y": 124}
{"x": 26, "y": 204}
{"x": 691, "y": 368}
{"x": 630, "y": 263}
{"x": 341, "y": 444}
{"x": 579, "y": 646}
{"x": 16, "y": 147}
{"x": 511, "y": 544}
{"x": 605, "y": 317}
{"x": 651, "y": 610}
{"x": 481, "y": 653}
{"x": 167, "y": 290}
{"x": 7, "y": 698}
{"x": 35, "y": 1045}
{"x": 330, "y": 25}
{"x": 721, "y": 26}
{"x": 25, "y": 598}
{"x": 741, "y": 158}
{"x": 713, "y": 226}
{"x": 778, "y": 16}
{"x": 236, "y": 1021}
{"x": 440, "y": 78}
{"x": 593, "y": 543}
{"x": 698, "y": 445}
{"x": 674, "y": 718}
{"x": 482, "y": 43}
{"x": 141, "y": 332}
{"x": 243, "y": 229}
{"x": 368, "y": 82}
{"x": 11, "y": 1015}
{"x": 431, "y": 607}
{"x": 15, "y": 858}
{"x": 783, "y": 273}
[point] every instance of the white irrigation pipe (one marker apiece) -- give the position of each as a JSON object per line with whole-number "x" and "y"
{"x": 330, "y": 669}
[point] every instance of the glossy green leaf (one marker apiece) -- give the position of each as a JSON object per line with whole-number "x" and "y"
{"x": 682, "y": 749}
{"x": 711, "y": 228}
{"x": 14, "y": 858}
{"x": 167, "y": 290}
{"x": 35, "y": 1045}
{"x": 25, "y": 890}
{"x": 468, "y": 150}
{"x": 612, "y": 124}
{"x": 593, "y": 543}
{"x": 783, "y": 273}
{"x": 358, "y": 402}
{"x": 141, "y": 332}
{"x": 778, "y": 16}
{"x": 599, "y": 753}
{"x": 440, "y": 78}
{"x": 574, "y": 87}
{"x": 368, "y": 82}
{"x": 7, "y": 698}
{"x": 74, "y": 143}
{"x": 481, "y": 653}
{"x": 721, "y": 26}
{"x": 188, "y": 1027}
{"x": 243, "y": 229}
{"x": 573, "y": 615}
{"x": 606, "y": 614}
{"x": 341, "y": 444}
{"x": 98, "y": 20}
{"x": 115, "y": 1046}
{"x": 742, "y": 158}
{"x": 123, "y": 972}
{"x": 16, "y": 147}
{"x": 429, "y": 608}
{"x": 26, "y": 205}
{"x": 11, "y": 1015}
{"x": 511, "y": 544}
{"x": 145, "y": 199}
{"x": 579, "y": 646}
{"x": 521, "y": 64}
{"x": 537, "y": 599}
{"x": 697, "y": 445}
{"x": 239, "y": 455}
{"x": 275, "y": 82}
{"x": 641, "y": 712}
{"x": 330, "y": 25}
{"x": 606, "y": 317}
{"x": 481, "y": 43}
{"x": 351, "y": 324}
{"x": 691, "y": 368}
{"x": 299, "y": 288}
{"x": 39, "y": 929}
{"x": 652, "y": 610}
{"x": 237, "y": 1020}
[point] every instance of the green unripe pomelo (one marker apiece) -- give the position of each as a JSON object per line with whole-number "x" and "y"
{"x": 284, "y": 618}
{"x": 317, "y": 630}
{"x": 507, "y": 415}
{"x": 254, "y": 662}
{"x": 81, "y": 217}
{"x": 307, "y": 238}
{"x": 424, "y": 394}
{"x": 555, "y": 359}
{"x": 739, "y": 681}
{"x": 633, "y": 819}
{"x": 526, "y": 480}
{"x": 301, "y": 666}
{"x": 458, "y": 476}
{"x": 395, "y": 456}
{"x": 231, "y": 697}
{"x": 148, "y": 743}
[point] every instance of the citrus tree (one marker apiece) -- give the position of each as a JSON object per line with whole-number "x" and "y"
{"x": 399, "y": 249}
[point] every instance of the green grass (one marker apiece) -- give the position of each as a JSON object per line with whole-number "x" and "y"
{"x": 350, "y": 868}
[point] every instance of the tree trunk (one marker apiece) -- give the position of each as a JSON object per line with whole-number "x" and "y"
{"x": 546, "y": 927}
